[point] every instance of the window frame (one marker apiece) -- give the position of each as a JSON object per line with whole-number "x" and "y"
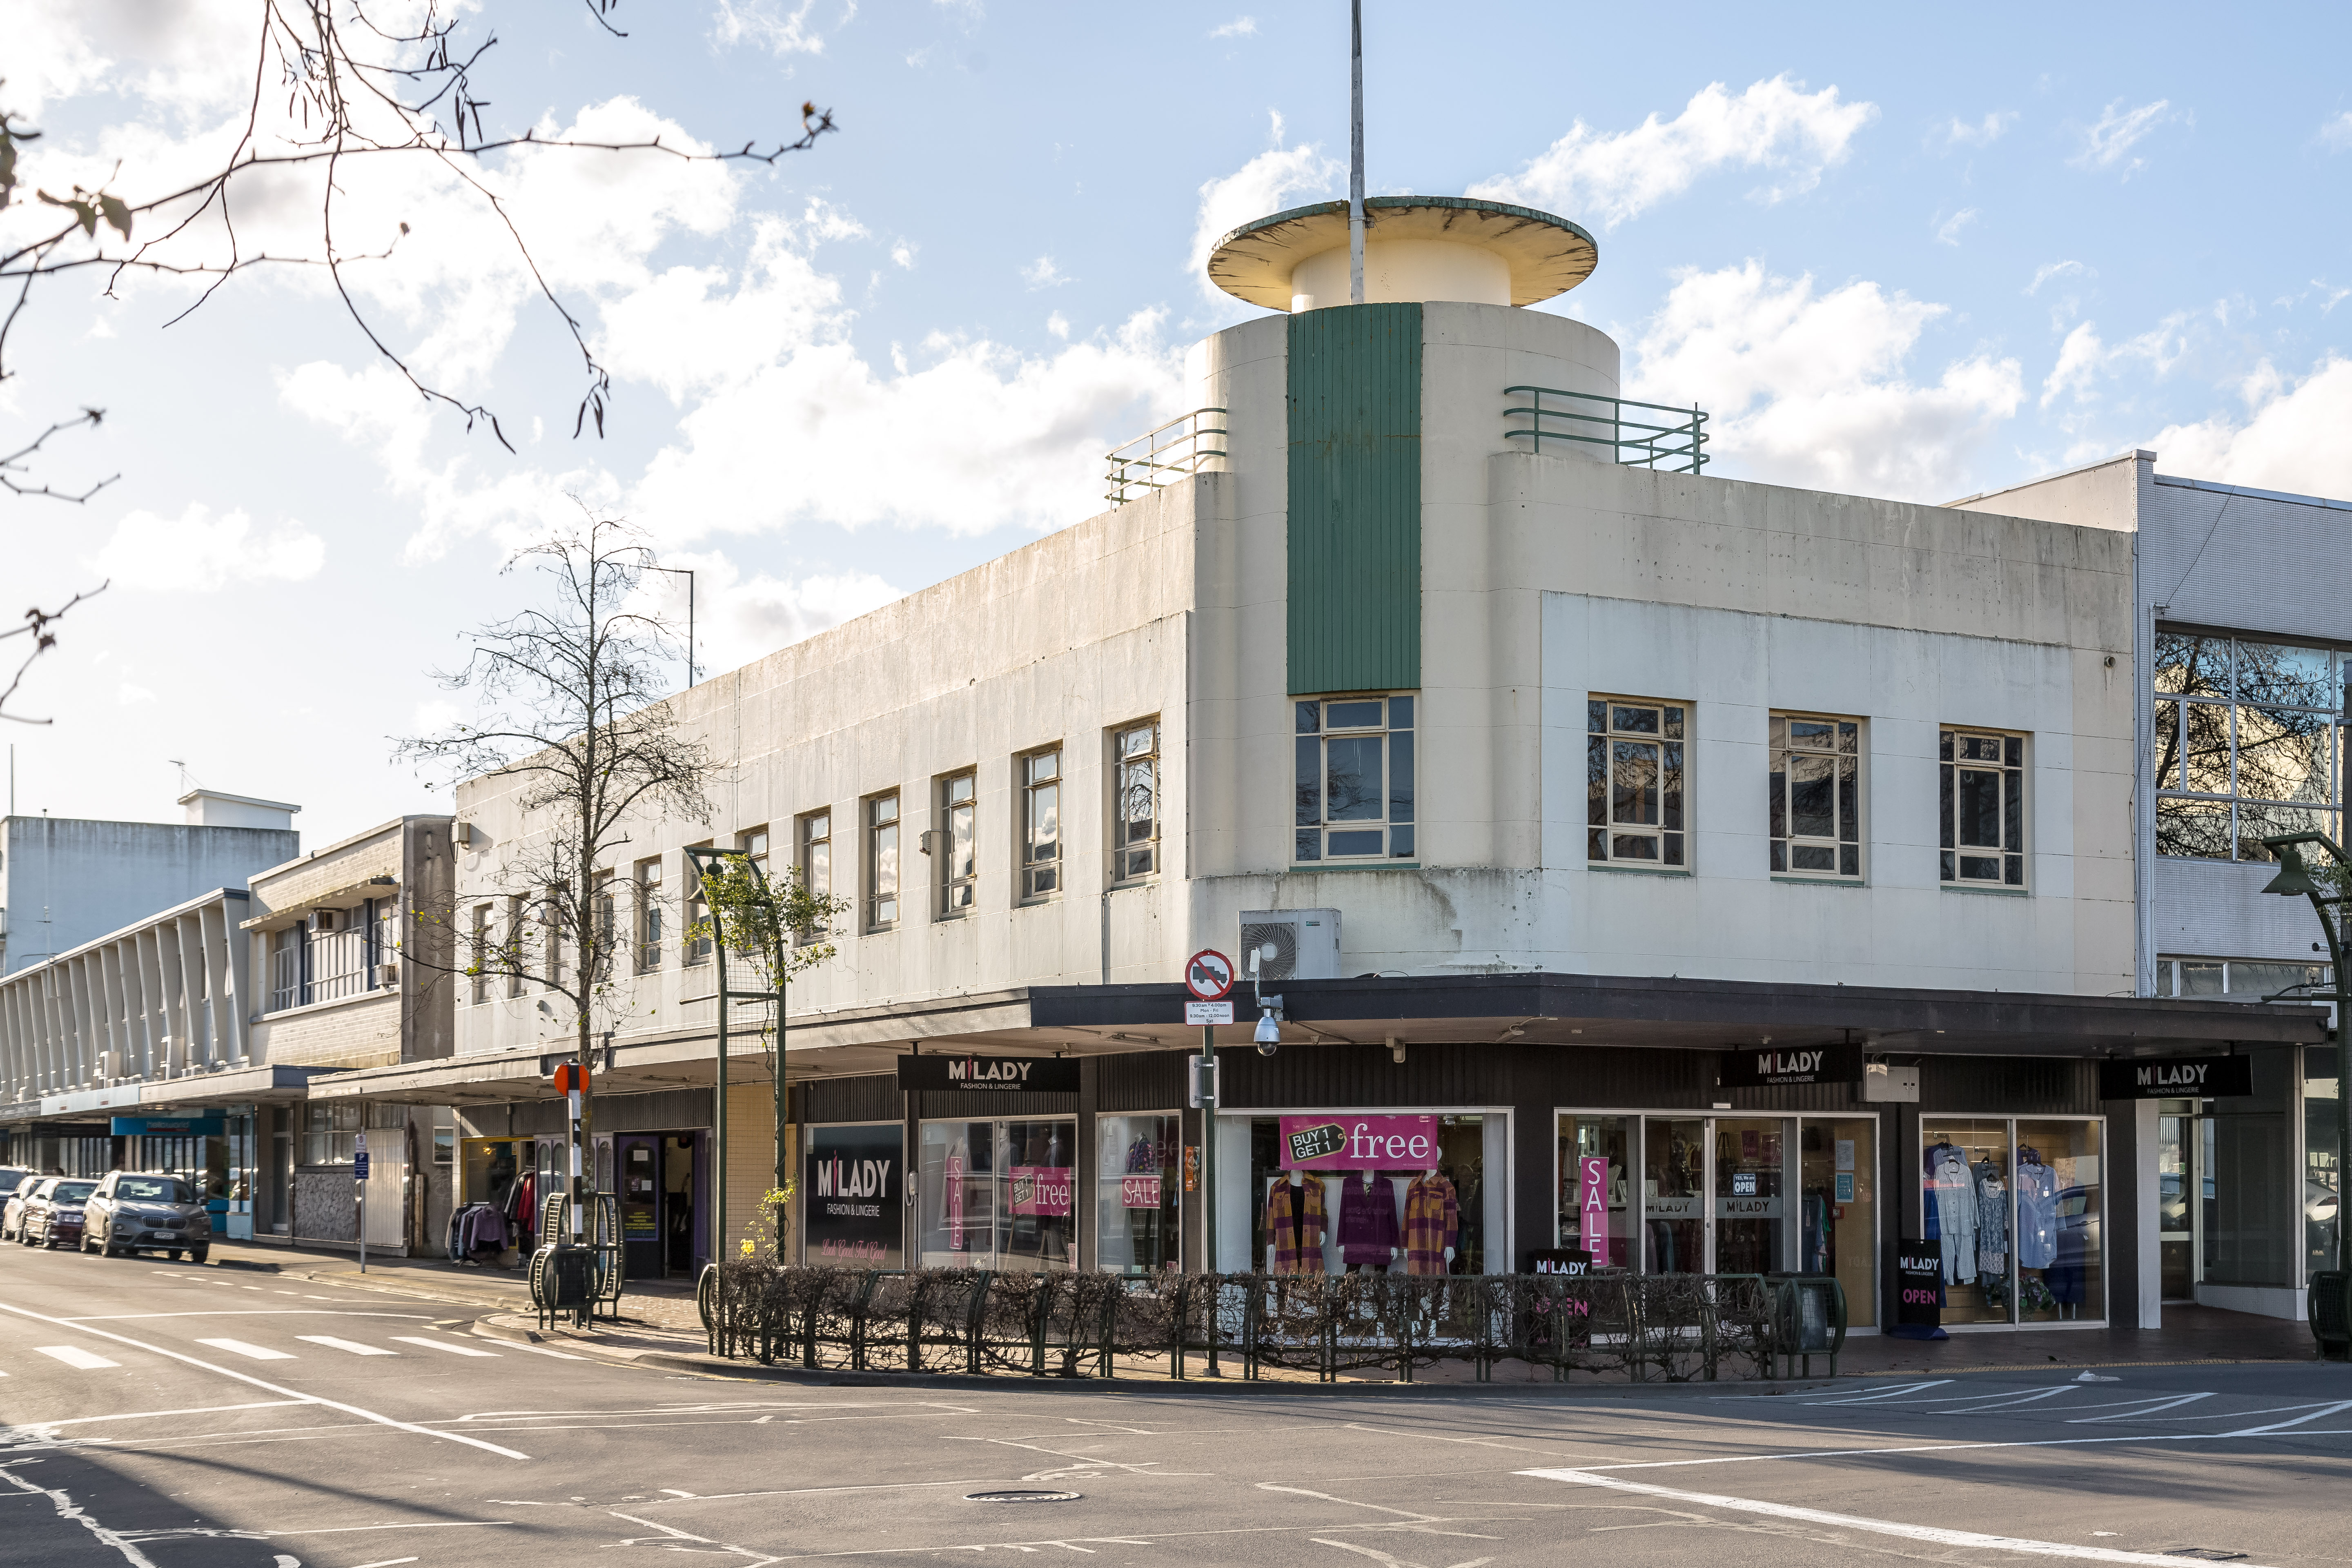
{"x": 946, "y": 807}
{"x": 2013, "y": 857}
{"x": 1127, "y": 853}
{"x": 872, "y": 829}
{"x": 806, "y": 841}
{"x": 1044, "y": 862}
{"x": 478, "y": 950}
{"x": 2177, "y": 802}
{"x": 1603, "y": 830}
{"x": 695, "y": 951}
{"x": 1397, "y": 822}
{"x": 1849, "y": 799}
{"x": 647, "y": 880}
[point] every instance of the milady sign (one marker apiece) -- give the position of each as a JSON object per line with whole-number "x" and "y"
{"x": 1764, "y": 1067}
{"x": 2181, "y": 1077}
{"x": 1014, "y": 1075}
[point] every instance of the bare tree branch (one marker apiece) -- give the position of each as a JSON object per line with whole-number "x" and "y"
{"x": 14, "y": 463}
{"x": 37, "y": 622}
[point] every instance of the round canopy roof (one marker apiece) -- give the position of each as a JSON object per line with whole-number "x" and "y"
{"x": 1547, "y": 254}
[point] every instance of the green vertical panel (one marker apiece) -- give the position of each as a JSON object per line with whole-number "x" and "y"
{"x": 1355, "y": 498}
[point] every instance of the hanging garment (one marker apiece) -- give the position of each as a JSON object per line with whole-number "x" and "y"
{"x": 1294, "y": 1218}
{"x": 1368, "y": 1220}
{"x": 1813, "y": 1249}
{"x": 2037, "y": 1215}
{"x": 1952, "y": 1191}
{"x": 1433, "y": 1223}
{"x": 1992, "y": 1223}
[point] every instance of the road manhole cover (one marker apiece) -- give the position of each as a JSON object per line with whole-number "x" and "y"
{"x": 1022, "y": 1497}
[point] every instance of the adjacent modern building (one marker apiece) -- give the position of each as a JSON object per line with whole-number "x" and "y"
{"x": 1695, "y": 873}
{"x": 64, "y": 881}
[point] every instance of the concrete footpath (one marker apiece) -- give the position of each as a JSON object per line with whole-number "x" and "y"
{"x": 659, "y": 1328}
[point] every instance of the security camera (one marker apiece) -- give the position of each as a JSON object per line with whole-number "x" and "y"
{"x": 1269, "y": 1033}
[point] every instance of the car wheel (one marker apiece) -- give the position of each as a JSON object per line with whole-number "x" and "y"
{"x": 48, "y": 1239}
{"x": 199, "y": 1254}
{"x": 173, "y": 1253}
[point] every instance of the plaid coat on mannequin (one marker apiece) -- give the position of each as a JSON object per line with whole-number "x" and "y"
{"x": 1433, "y": 1222}
{"x": 1294, "y": 1217}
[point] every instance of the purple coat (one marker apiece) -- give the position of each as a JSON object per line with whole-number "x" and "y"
{"x": 1368, "y": 1221}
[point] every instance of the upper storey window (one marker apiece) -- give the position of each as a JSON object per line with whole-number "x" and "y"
{"x": 1355, "y": 778}
{"x": 1633, "y": 781}
{"x": 2243, "y": 742}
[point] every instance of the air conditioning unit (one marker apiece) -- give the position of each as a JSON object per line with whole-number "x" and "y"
{"x": 324, "y": 920}
{"x": 1290, "y": 944}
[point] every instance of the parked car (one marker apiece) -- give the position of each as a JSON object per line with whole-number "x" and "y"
{"x": 135, "y": 1212}
{"x": 15, "y": 1186}
{"x": 53, "y": 1214}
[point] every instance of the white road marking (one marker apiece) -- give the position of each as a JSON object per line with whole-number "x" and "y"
{"x": 440, "y": 1345}
{"x": 68, "y": 1509}
{"x": 1875, "y": 1395}
{"x": 75, "y": 1356}
{"x": 2283, "y": 1425}
{"x": 1926, "y": 1533}
{"x": 258, "y": 1352}
{"x": 352, "y": 1346}
{"x": 387, "y": 1562}
{"x": 145, "y": 1414}
{"x": 276, "y": 1388}
{"x": 250, "y": 1312}
{"x": 2149, "y": 1407}
{"x": 542, "y": 1350}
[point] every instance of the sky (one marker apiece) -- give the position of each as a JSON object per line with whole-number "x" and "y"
{"x": 1911, "y": 255}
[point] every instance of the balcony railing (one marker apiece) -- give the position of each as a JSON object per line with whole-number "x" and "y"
{"x": 1190, "y": 443}
{"x": 1638, "y": 435}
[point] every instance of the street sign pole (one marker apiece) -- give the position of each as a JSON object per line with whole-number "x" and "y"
{"x": 1208, "y": 978}
{"x": 359, "y": 1183}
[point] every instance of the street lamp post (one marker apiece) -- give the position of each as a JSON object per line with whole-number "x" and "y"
{"x": 2293, "y": 880}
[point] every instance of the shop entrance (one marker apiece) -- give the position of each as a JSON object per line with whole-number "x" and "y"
{"x": 663, "y": 1177}
{"x": 2219, "y": 1198}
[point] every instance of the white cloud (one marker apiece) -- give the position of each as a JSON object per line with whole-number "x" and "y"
{"x": 2291, "y": 437}
{"x": 2083, "y": 358}
{"x": 1059, "y": 325}
{"x": 1809, "y": 388}
{"x": 1958, "y": 133}
{"x": 741, "y": 618}
{"x": 197, "y": 554}
{"x": 771, "y": 27}
{"x": 1239, "y": 28}
{"x": 903, "y": 253}
{"x": 2118, "y": 130}
{"x": 1948, "y": 231}
{"x": 1043, "y": 273}
{"x": 128, "y": 695}
{"x": 2338, "y": 133}
{"x": 1608, "y": 177}
{"x": 2049, "y": 269}
{"x": 1257, "y": 189}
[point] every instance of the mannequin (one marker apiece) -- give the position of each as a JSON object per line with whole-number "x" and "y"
{"x": 1367, "y": 1223}
{"x": 1294, "y": 1222}
{"x": 1433, "y": 1224}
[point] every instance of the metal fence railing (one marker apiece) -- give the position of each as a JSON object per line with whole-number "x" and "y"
{"x": 1190, "y": 443}
{"x": 1672, "y": 1326}
{"x": 1638, "y": 435}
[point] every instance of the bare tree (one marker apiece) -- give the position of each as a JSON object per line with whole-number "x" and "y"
{"x": 570, "y": 719}
{"x": 336, "y": 84}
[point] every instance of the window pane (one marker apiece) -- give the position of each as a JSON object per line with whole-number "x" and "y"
{"x": 1596, "y": 717}
{"x": 1634, "y": 799}
{"x": 1812, "y": 857}
{"x": 1849, "y": 860}
{"x": 1849, "y": 806}
{"x": 1980, "y": 868}
{"x": 886, "y": 859}
{"x": 1979, "y": 813}
{"x": 1310, "y": 844}
{"x": 1356, "y": 841}
{"x": 1596, "y": 844}
{"x": 2283, "y": 753}
{"x": 1633, "y": 847}
{"x": 1310, "y": 780}
{"x": 2166, "y": 760}
{"x": 1812, "y": 803}
{"x": 1399, "y": 776}
{"x": 2200, "y": 980}
{"x": 1815, "y": 734}
{"x": 1950, "y": 867}
{"x": 1596, "y": 781}
{"x": 2012, "y": 810}
{"x": 1400, "y": 713}
{"x": 1947, "y": 793}
{"x": 1674, "y": 724}
{"x": 1849, "y": 737}
{"x": 1779, "y": 802}
{"x": 1310, "y": 717}
{"x": 1635, "y": 721}
{"x": 2197, "y": 828}
{"x": 1401, "y": 843}
{"x": 2192, "y": 666}
{"x": 2257, "y": 822}
{"x": 2013, "y": 871}
{"x": 1671, "y": 813}
{"x": 1944, "y": 746}
{"x": 1351, "y": 715}
{"x": 2273, "y": 672}
{"x": 2012, "y": 750}
{"x": 1352, "y": 778}
{"x": 1673, "y": 856}
{"x": 1779, "y": 854}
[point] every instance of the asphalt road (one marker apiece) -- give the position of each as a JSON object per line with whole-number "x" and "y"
{"x": 164, "y": 1415}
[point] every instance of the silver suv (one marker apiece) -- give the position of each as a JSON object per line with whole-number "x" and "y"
{"x": 133, "y": 1213}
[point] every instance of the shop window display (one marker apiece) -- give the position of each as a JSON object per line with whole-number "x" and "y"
{"x": 1371, "y": 1192}
{"x": 2058, "y": 1222}
{"x": 1673, "y": 1191}
{"x": 1965, "y": 1208}
{"x": 1138, "y": 1186}
{"x": 1595, "y": 1214}
{"x": 999, "y": 1194}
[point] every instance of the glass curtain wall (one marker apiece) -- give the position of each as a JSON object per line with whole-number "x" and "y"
{"x": 1673, "y": 1195}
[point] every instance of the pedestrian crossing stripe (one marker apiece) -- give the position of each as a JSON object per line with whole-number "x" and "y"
{"x": 442, "y": 1345}
{"x": 75, "y": 1356}
{"x": 352, "y": 1346}
{"x": 239, "y": 1347}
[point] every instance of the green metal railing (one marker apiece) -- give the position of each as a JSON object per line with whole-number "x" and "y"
{"x": 1633, "y": 432}
{"x": 1186, "y": 445}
